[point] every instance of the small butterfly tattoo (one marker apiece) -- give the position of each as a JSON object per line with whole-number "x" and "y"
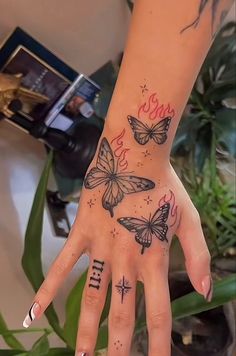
{"x": 117, "y": 184}
{"x": 143, "y": 133}
{"x": 146, "y": 229}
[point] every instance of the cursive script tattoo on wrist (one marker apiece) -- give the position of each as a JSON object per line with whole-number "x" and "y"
{"x": 146, "y": 229}
{"x": 117, "y": 184}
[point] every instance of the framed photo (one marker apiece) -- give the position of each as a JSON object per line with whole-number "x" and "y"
{"x": 42, "y": 72}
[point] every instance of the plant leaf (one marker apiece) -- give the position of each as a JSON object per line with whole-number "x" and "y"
{"x": 102, "y": 339}
{"x": 193, "y": 303}
{"x": 9, "y": 339}
{"x": 11, "y": 352}
{"x": 60, "y": 352}
{"x": 31, "y": 259}
{"x": 73, "y": 307}
{"x": 40, "y": 347}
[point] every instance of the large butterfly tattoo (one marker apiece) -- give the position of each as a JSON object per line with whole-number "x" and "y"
{"x": 146, "y": 229}
{"x": 117, "y": 184}
{"x": 143, "y": 133}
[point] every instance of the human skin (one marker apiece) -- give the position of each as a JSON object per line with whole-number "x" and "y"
{"x": 132, "y": 202}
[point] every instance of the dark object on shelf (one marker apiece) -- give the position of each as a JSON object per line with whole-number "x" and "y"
{"x": 57, "y": 209}
{"x": 74, "y": 164}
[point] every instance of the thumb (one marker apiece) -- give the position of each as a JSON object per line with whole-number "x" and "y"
{"x": 197, "y": 256}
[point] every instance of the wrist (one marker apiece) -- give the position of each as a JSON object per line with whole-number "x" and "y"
{"x": 125, "y": 146}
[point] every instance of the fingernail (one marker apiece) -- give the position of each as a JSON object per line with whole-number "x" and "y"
{"x": 207, "y": 288}
{"x": 82, "y": 354}
{"x": 32, "y": 314}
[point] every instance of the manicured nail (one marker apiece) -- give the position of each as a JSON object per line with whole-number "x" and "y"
{"x": 32, "y": 314}
{"x": 207, "y": 288}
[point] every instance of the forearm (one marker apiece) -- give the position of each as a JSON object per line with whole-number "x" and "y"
{"x": 161, "y": 61}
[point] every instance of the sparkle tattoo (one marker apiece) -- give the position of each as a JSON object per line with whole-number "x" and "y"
{"x": 95, "y": 279}
{"x": 117, "y": 184}
{"x": 148, "y": 200}
{"x": 114, "y": 233}
{"x": 146, "y": 229}
{"x": 118, "y": 344}
{"x": 91, "y": 202}
{"x": 123, "y": 287}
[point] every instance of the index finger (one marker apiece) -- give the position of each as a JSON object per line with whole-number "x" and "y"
{"x": 64, "y": 262}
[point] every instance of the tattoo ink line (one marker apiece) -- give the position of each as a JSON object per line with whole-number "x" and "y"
{"x": 117, "y": 184}
{"x": 123, "y": 287}
{"x": 146, "y": 229}
{"x": 95, "y": 279}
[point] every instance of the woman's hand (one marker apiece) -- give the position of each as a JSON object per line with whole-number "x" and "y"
{"x": 129, "y": 211}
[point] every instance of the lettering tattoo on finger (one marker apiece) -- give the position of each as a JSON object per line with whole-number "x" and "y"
{"x": 123, "y": 287}
{"x": 95, "y": 278}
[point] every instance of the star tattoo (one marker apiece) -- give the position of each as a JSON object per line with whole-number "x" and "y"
{"x": 144, "y": 88}
{"x": 114, "y": 233}
{"x": 123, "y": 287}
{"x": 91, "y": 202}
{"x": 148, "y": 200}
{"x": 146, "y": 153}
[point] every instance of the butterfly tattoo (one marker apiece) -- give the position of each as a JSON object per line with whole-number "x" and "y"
{"x": 117, "y": 184}
{"x": 146, "y": 229}
{"x": 143, "y": 133}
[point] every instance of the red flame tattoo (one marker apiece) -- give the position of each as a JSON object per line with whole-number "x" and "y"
{"x": 173, "y": 206}
{"x": 154, "y": 109}
{"x": 119, "y": 151}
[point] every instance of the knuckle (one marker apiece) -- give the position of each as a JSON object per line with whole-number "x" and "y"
{"x": 45, "y": 291}
{"x": 121, "y": 319}
{"x": 159, "y": 320}
{"x": 91, "y": 300}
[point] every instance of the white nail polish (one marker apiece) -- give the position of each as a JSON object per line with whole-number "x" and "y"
{"x": 30, "y": 316}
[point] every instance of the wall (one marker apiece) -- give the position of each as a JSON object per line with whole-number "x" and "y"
{"x": 84, "y": 33}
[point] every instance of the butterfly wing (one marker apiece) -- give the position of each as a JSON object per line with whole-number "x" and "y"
{"x": 159, "y": 131}
{"x": 105, "y": 160}
{"x": 158, "y": 222}
{"x": 105, "y": 166}
{"x": 141, "y": 131}
{"x": 132, "y": 184}
{"x": 95, "y": 177}
{"x": 112, "y": 196}
{"x": 142, "y": 231}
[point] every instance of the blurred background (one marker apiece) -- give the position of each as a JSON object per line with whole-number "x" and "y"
{"x": 88, "y": 37}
